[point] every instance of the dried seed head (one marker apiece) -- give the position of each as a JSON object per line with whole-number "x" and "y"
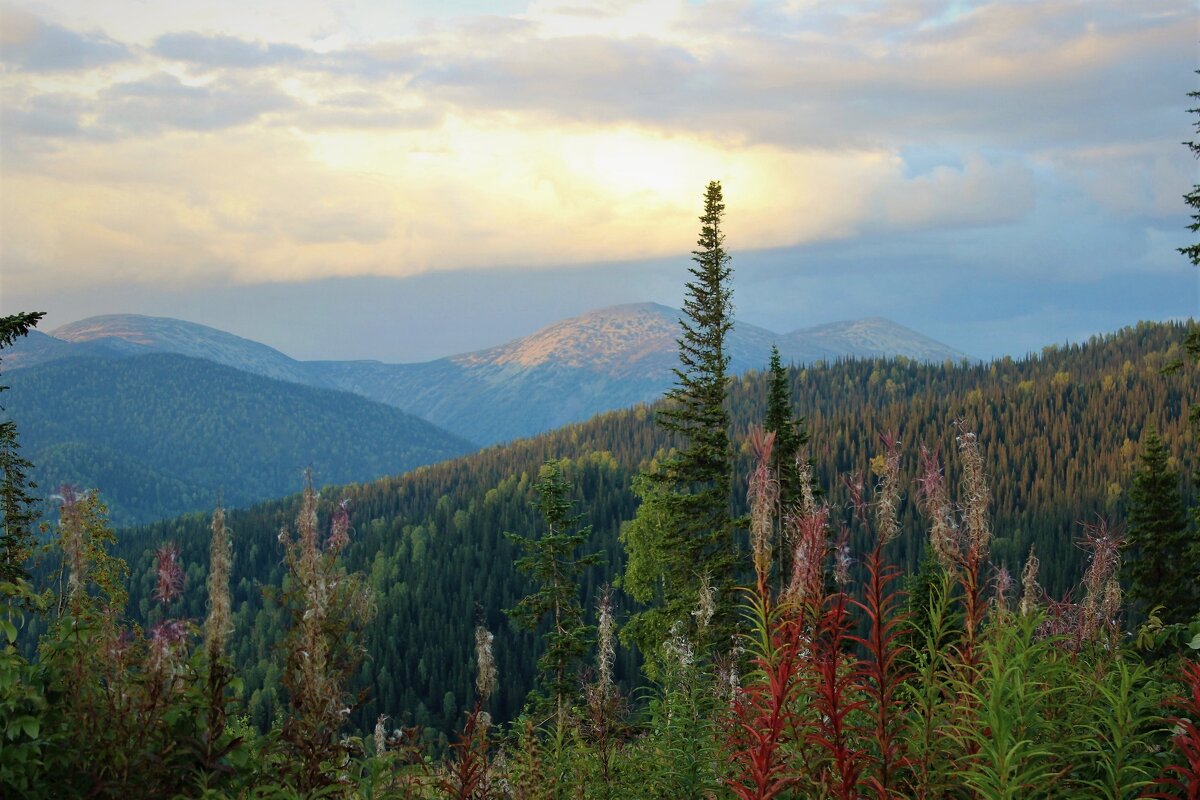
{"x": 1002, "y": 585}
{"x": 381, "y": 738}
{"x": 976, "y": 494}
{"x": 73, "y": 538}
{"x": 168, "y": 572}
{"x": 1030, "y": 591}
{"x": 887, "y": 492}
{"x": 763, "y": 493}
{"x": 220, "y": 563}
{"x": 306, "y": 519}
{"x": 1110, "y": 606}
{"x": 807, "y": 533}
{"x": 804, "y": 469}
{"x": 1102, "y": 592}
{"x": 842, "y": 560}
{"x": 935, "y": 502}
{"x": 706, "y": 603}
{"x": 485, "y": 662}
{"x": 678, "y": 648}
{"x": 167, "y": 639}
{"x": 728, "y": 686}
{"x": 339, "y": 534}
{"x": 606, "y": 650}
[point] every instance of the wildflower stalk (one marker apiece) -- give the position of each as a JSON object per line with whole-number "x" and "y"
{"x": 217, "y": 627}
{"x": 1030, "y": 591}
{"x": 834, "y": 698}
{"x": 467, "y": 778}
{"x": 881, "y": 673}
{"x": 602, "y": 700}
{"x": 328, "y": 609}
{"x": 763, "y": 711}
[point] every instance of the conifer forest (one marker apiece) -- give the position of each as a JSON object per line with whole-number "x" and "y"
{"x": 857, "y": 578}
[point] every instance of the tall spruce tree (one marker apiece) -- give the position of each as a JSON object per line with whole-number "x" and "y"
{"x": 682, "y": 537}
{"x": 1191, "y": 342}
{"x": 790, "y": 439}
{"x": 551, "y": 560}
{"x": 17, "y": 510}
{"x": 790, "y": 434}
{"x": 1160, "y": 565}
{"x": 1192, "y": 198}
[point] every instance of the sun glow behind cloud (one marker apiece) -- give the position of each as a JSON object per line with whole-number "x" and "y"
{"x": 358, "y": 142}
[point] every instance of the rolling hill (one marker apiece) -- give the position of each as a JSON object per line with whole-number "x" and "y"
{"x": 162, "y": 434}
{"x": 603, "y": 360}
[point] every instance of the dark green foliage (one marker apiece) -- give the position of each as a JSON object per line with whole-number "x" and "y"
{"x": 1161, "y": 568}
{"x": 109, "y": 712}
{"x": 791, "y": 439}
{"x": 167, "y": 434}
{"x": 790, "y": 433}
{"x": 552, "y": 562}
{"x": 1060, "y": 431}
{"x": 17, "y": 511}
{"x": 692, "y": 537}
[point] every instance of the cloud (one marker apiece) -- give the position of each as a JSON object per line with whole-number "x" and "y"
{"x": 163, "y": 101}
{"x": 225, "y": 51}
{"x": 976, "y": 194}
{"x": 48, "y": 115}
{"x": 574, "y": 133}
{"x": 29, "y": 44}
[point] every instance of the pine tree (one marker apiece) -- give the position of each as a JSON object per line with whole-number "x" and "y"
{"x": 1193, "y": 197}
{"x": 683, "y": 533}
{"x": 551, "y": 560}
{"x": 17, "y": 512}
{"x": 1161, "y": 566}
{"x": 790, "y": 434}
{"x": 1191, "y": 342}
{"x": 790, "y": 439}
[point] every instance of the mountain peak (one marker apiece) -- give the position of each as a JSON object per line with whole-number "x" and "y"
{"x": 875, "y": 337}
{"x": 133, "y": 334}
{"x": 620, "y": 341}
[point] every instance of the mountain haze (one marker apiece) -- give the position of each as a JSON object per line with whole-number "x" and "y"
{"x": 603, "y": 360}
{"x": 162, "y": 434}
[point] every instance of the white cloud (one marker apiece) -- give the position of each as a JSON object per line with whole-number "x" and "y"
{"x": 209, "y": 147}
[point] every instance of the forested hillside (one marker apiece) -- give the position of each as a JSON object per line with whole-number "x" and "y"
{"x": 1059, "y": 434}
{"x": 163, "y": 434}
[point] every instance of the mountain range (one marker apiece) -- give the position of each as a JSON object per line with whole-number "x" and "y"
{"x": 163, "y": 434}
{"x": 567, "y": 372}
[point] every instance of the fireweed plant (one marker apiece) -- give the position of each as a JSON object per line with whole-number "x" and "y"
{"x": 968, "y": 683}
{"x": 328, "y": 608}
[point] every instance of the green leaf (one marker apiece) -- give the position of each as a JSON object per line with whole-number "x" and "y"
{"x": 9, "y": 629}
{"x": 1195, "y": 642}
{"x": 31, "y": 726}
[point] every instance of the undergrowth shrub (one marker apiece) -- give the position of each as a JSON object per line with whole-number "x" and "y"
{"x": 841, "y": 684}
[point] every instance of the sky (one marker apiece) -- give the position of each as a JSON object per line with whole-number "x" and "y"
{"x": 406, "y": 180}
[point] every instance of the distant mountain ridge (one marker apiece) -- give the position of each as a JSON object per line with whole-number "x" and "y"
{"x": 162, "y": 434}
{"x": 135, "y": 334}
{"x": 599, "y": 361}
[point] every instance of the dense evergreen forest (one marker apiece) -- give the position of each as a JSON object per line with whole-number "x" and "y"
{"x": 864, "y": 579}
{"x": 166, "y": 434}
{"x": 1060, "y": 433}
